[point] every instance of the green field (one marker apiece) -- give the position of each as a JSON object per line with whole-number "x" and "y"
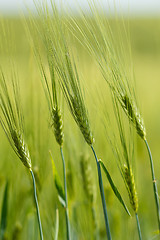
{"x": 21, "y": 218}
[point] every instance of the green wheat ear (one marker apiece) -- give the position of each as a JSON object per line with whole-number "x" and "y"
{"x": 87, "y": 177}
{"x": 99, "y": 40}
{"x": 48, "y": 34}
{"x": 82, "y": 121}
{"x": 131, "y": 188}
{"x": 12, "y": 122}
{"x": 21, "y": 148}
{"x": 132, "y": 112}
{"x": 62, "y": 68}
{"x": 11, "y": 119}
{"x": 58, "y": 125}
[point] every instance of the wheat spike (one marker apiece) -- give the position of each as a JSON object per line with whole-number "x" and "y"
{"x": 21, "y": 148}
{"x": 58, "y": 125}
{"x": 132, "y": 112}
{"x": 12, "y": 119}
{"x": 129, "y": 178}
{"x": 86, "y": 173}
{"x": 82, "y": 121}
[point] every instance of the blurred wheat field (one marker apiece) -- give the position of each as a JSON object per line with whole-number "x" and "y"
{"x": 21, "y": 220}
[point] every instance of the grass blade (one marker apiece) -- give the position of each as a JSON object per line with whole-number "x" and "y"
{"x": 101, "y": 188}
{"x": 4, "y": 212}
{"x": 114, "y": 188}
{"x": 58, "y": 185}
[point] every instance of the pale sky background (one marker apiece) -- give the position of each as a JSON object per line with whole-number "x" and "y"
{"x": 138, "y": 7}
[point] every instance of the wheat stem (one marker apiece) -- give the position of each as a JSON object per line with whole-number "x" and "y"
{"x": 65, "y": 191}
{"x": 138, "y": 227}
{"x": 102, "y": 196}
{"x": 37, "y": 207}
{"x": 154, "y": 183}
{"x": 57, "y": 225}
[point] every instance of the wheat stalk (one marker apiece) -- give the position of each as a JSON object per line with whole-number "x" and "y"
{"x": 122, "y": 143}
{"x": 45, "y": 31}
{"x": 98, "y": 38}
{"x": 66, "y": 70}
{"x": 12, "y": 123}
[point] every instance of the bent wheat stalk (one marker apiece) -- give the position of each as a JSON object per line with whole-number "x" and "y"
{"x": 123, "y": 149}
{"x": 45, "y": 33}
{"x": 12, "y": 124}
{"x": 110, "y": 56}
{"x": 70, "y": 84}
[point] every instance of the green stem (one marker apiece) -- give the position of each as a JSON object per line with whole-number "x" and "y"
{"x": 66, "y": 201}
{"x": 154, "y": 183}
{"x": 57, "y": 225}
{"x": 102, "y": 195}
{"x": 138, "y": 227}
{"x": 37, "y": 207}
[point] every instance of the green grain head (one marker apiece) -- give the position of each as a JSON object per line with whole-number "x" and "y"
{"x": 11, "y": 117}
{"x": 44, "y": 39}
{"x": 21, "y": 148}
{"x": 82, "y": 121}
{"x": 130, "y": 183}
{"x": 111, "y": 48}
{"x": 57, "y": 125}
{"x": 62, "y": 67}
{"x": 87, "y": 177}
{"x": 132, "y": 112}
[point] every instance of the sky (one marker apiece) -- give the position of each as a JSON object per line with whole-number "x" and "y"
{"x": 136, "y": 7}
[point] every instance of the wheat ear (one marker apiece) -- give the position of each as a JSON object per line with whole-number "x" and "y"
{"x": 130, "y": 183}
{"x": 46, "y": 32}
{"x": 88, "y": 185}
{"x": 131, "y": 188}
{"x": 66, "y": 70}
{"x": 133, "y": 114}
{"x": 12, "y": 124}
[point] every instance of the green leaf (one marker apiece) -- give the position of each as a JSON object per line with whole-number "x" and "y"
{"x": 114, "y": 188}
{"x": 58, "y": 184}
{"x": 4, "y": 212}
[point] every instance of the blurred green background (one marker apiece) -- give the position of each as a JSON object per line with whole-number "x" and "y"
{"x": 22, "y": 223}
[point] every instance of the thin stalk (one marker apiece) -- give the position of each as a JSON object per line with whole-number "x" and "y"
{"x": 138, "y": 227}
{"x": 154, "y": 184}
{"x": 37, "y": 207}
{"x": 57, "y": 225}
{"x": 66, "y": 201}
{"x": 102, "y": 196}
